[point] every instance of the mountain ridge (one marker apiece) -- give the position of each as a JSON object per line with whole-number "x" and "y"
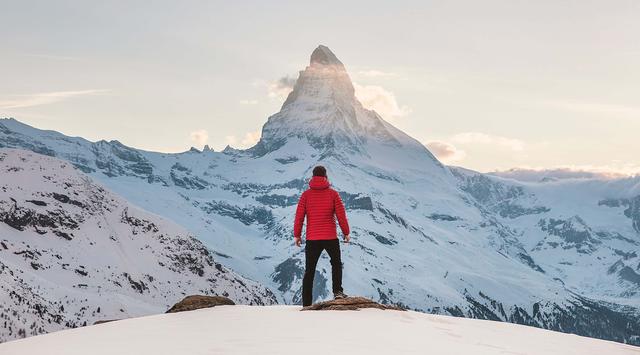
{"x": 71, "y": 253}
{"x": 425, "y": 236}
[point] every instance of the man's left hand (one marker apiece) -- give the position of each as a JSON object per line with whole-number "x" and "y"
{"x": 298, "y": 241}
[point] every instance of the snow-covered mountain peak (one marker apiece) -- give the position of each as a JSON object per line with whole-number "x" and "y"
{"x": 323, "y": 112}
{"x": 324, "y": 56}
{"x": 324, "y": 81}
{"x": 561, "y": 255}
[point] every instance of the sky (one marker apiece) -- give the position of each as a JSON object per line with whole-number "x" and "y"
{"x": 487, "y": 85}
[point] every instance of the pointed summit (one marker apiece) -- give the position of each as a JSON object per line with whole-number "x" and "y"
{"x": 323, "y": 112}
{"x": 324, "y": 80}
{"x": 323, "y": 55}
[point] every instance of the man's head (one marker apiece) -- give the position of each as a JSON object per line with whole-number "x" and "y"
{"x": 320, "y": 171}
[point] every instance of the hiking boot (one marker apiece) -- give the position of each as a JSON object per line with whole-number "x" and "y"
{"x": 339, "y": 295}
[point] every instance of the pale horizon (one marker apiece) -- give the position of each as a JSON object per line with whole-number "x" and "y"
{"x": 488, "y": 87}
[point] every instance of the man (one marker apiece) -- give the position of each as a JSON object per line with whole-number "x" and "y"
{"x": 321, "y": 205}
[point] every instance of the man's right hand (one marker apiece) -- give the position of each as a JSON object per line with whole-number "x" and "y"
{"x": 298, "y": 241}
{"x": 347, "y": 238}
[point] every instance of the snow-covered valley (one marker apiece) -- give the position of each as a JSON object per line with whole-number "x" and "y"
{"x": 560, "y": 255}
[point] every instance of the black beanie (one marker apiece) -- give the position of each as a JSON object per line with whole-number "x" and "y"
{"x": 319, "y": 171}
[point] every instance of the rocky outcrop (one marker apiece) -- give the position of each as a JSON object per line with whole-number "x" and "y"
{"x": 191, "y": 303}
{"x": 349, "y": 304}
{"x": 323, "y": 55}
{"x": 103, "y": 321}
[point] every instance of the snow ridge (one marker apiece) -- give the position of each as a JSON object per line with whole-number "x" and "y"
{"x": 259, "y": 330}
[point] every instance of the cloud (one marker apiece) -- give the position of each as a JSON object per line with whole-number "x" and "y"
{"x": 446, "y": 152}
{"x": 488, "y": 139}
{"x": 248, "y": 102}
{"x": 372, "y": 97}
{"x": 22, "y": 101}
{"x": 375, "y": 73}
{"x": 380, "y": 100}
{"x": 612, "y": 171}
{"x": 200, "y": 137}
{"x": 249, "y": 140}
{"x": 608, "y": 110}
{"x": 279, "y": 89}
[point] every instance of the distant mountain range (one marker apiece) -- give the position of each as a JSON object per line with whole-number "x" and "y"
{"x": 561, "y": 255}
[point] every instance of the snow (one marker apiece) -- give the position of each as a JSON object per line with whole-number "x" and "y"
{"x": 286, "y": 330}
{"x": 115, "y": 260}
{"x": 399, "y": 253}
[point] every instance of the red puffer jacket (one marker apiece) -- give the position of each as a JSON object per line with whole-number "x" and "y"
{"x": 320, "y": 204}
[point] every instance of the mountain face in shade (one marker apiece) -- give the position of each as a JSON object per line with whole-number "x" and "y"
{"x": 324, "y": 56}
{"x": 559, "y": 255}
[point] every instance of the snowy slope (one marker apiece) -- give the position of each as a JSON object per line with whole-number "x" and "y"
{"x": 285, "y": 330}
{"x": 560, "y": 255}
{"x": 585, "y": 232}
{"x": 71, "y": 253}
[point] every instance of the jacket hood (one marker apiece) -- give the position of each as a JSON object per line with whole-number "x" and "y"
{"x": 319, "y": 183}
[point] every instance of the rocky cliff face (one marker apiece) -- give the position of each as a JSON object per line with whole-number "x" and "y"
{"x": 425, "y": 236}
{"x": 71, "y": 253}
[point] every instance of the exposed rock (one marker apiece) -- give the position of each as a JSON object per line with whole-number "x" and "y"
{"x": 323, "y": 55}
{"x": 570, "y": 233}
{"x": 246, "y": 215}
{"x": 102, "y": 321}
{"x": 349, "y": 304}
{"x": 191, "y": 303}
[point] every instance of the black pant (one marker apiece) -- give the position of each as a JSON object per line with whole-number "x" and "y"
{"x": 312, "y": 251}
